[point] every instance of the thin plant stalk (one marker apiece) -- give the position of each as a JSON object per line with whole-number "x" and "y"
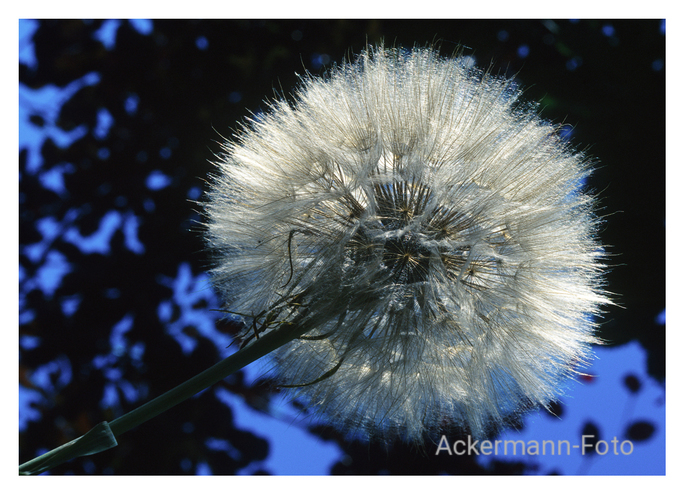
{"x": 103, "y": 436}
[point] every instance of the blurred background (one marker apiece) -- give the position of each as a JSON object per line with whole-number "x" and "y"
{"x": 118, "y": 123}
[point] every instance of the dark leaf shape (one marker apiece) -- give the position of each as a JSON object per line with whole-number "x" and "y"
{"x": 639, "y": 431}
{"x": 592, "y": 436}
{"x": 555, "y": 409}
{"x": 37, "y": 120}
{"x": 633, "y": 383}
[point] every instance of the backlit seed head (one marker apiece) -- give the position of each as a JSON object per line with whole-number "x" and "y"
{"x": 431, "y": 234}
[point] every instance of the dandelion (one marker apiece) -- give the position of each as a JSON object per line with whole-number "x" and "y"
{"x": 427, "y": 232}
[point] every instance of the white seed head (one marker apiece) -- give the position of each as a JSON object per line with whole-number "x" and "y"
{"x": 431, "y": 233}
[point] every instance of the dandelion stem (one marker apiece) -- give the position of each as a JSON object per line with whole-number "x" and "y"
{"x": 103, "y": 436}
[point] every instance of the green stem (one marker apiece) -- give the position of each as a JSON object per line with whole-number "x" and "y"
{"x": 103, "y": 436}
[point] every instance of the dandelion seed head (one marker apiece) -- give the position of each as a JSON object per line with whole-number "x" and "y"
{"x": 428, "y": 229}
